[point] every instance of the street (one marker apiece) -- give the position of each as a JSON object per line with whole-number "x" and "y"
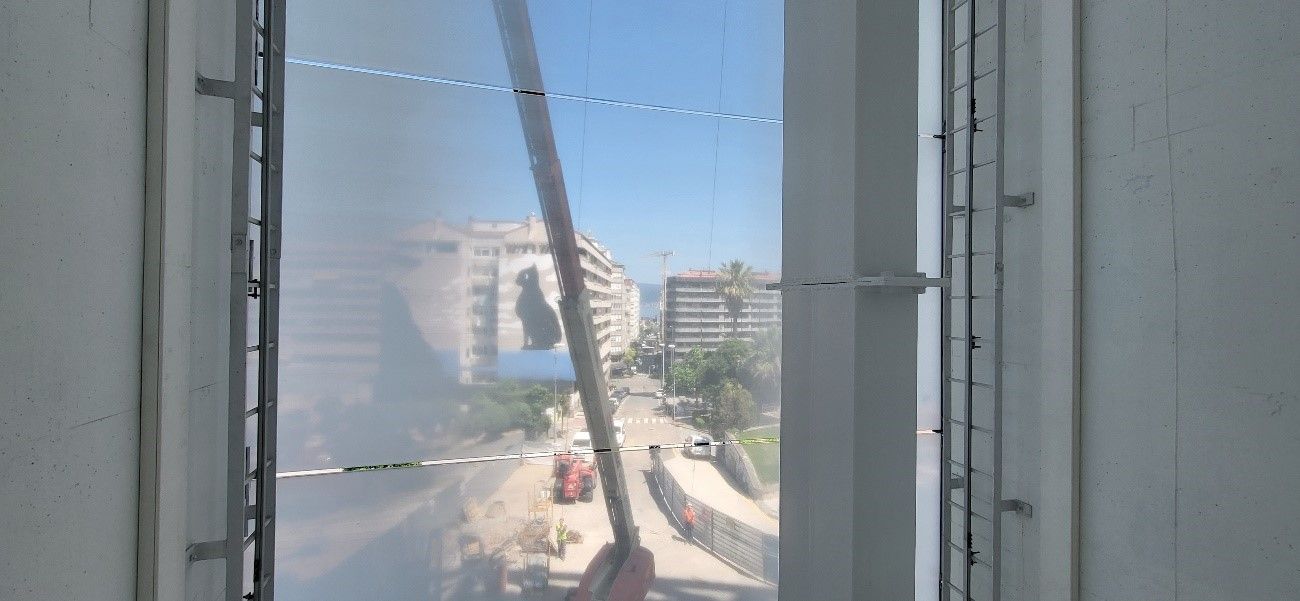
{"x": 444, "y": 532}
{"x": 683, "y": 571}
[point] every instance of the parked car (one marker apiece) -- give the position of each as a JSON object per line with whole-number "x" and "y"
{"x": 699, "y": 446}
{"x": 619, "y": 436}
{"x": 580, "y": 443}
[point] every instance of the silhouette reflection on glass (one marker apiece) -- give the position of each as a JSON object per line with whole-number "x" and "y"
{"x": 541, "y": 325}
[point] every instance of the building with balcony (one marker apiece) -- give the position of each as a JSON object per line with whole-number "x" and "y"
{"x": 625, "y": 306}
{"x": 631, "y": 310}
{"x": 465, "y": 284}
{"x": 697, "y": 316}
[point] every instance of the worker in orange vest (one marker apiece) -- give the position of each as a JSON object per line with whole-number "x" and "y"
{"x": 688, "y": 521}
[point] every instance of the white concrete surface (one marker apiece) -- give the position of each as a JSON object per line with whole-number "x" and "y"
{"x": 1022, "y": 312}
{"x": 72, "y": 125}
{"x": 1187, "y": 229}
{"x": 1187, "y": 404}
{"x": 849, "y": 448}
{"x": 1190, "y": 407}
{"x": 1059, "y": 320}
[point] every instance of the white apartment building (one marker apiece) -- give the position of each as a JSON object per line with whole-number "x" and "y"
{"x": 459, "y": 284}
{"x": 625, "y": 307}
{"x": 465, "y": 282}
{"x": 697, "y": 316}
{"x": 618, "y": 339}
{"x": 631, "y": 310}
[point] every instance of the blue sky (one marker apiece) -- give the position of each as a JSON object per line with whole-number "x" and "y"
{"x": 368, "y": 149}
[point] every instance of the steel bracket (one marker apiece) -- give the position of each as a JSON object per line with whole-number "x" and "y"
{"x": 214, "y": 87}
{"x": 1023, "y": 200}
{"x": 213, "y": 549}
{"x": 1017, "y": 506}
{"x": 914, "y": 283}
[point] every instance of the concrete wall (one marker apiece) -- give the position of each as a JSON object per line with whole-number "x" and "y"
{"x": 1022, "y": 274}
{"x": 1189, "y": 406}
{"x": 72, "y": 125}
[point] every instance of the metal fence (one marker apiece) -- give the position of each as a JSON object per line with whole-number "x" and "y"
{"x": 747, "y": 548}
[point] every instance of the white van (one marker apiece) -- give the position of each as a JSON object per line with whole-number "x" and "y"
{"x": 581, "y": 442}
{"x": 619, "y": 437}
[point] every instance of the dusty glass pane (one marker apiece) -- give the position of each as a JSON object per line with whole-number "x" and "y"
{"x": 438, "y": 38}
{"x": 410, "y": 236}
{"x": 420, "y": 313}
{"x": 717, "y": 56}
{"x": 929, "y": 261}
{"x": 488, "y": 531}
{"x": 406, "y": 245}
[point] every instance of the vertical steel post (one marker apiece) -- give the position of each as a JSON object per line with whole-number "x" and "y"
{"x": 968, "y": 260}
{"x": 975, "y": 551}
{"x": 946, "y": 323}
{"x": 272, "y": 34}
{"x": 999, "y": 194}
{"x": 241, "y": 94}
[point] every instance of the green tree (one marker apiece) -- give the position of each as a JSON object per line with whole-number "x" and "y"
{"x": 684, "y": 377}
{"x": 536, "y": 400}
{"x": 507, "y": 406}
{"x": 763, "y": 368}
{"x": 491, "y": 420}
{"x": 733, "y": 410}
{"x": 736, "y": 285}
{"x": 629, "y": 356}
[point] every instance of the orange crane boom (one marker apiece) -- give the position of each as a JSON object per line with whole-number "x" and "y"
{"x": 622, "y": 570}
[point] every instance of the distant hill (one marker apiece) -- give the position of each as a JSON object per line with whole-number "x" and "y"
{"x": 649, "y": 299}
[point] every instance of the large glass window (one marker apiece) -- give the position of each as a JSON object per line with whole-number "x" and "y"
{"x": 429, "y": 428}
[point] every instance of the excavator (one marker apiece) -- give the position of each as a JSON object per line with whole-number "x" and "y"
{"x": 622, "y": 570}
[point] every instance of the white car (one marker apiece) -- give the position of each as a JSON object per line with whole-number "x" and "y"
{"x": 581, "y": 442}
{"x": 699, "y": 446}
{"x": 619, "y": 436}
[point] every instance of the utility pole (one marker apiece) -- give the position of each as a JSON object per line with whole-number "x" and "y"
{"x": 663, "y": 313}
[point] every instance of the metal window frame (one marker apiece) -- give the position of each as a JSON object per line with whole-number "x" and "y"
{"x": 959, "y": 473}
{"x": 257, "y": 91}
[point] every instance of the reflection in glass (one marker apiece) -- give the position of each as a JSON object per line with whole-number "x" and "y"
{"x": 488, "y": 531}
{"x": 419, "y": 314}
{"x": 929, "y": 261}
{"x": 713, "y": 55}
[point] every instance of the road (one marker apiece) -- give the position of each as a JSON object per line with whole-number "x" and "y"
{"x": 683, "y": 571}
{"x": 395, "y": 535}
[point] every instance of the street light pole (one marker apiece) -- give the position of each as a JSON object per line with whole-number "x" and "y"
{"x": 663, "y": 313}
{"x": 671, "y": 351}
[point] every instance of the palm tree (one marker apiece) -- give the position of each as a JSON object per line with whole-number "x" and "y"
{"x": 764, "y": 365}
{"x": 736, "y": 285}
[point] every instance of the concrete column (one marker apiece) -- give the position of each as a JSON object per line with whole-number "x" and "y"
{"x": 849, "y": 425}
{"x": 161, "y": 562}
{"x": 1058, "y": 510}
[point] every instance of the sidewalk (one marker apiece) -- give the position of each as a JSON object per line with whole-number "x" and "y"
{"x": 702, "y": 480}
